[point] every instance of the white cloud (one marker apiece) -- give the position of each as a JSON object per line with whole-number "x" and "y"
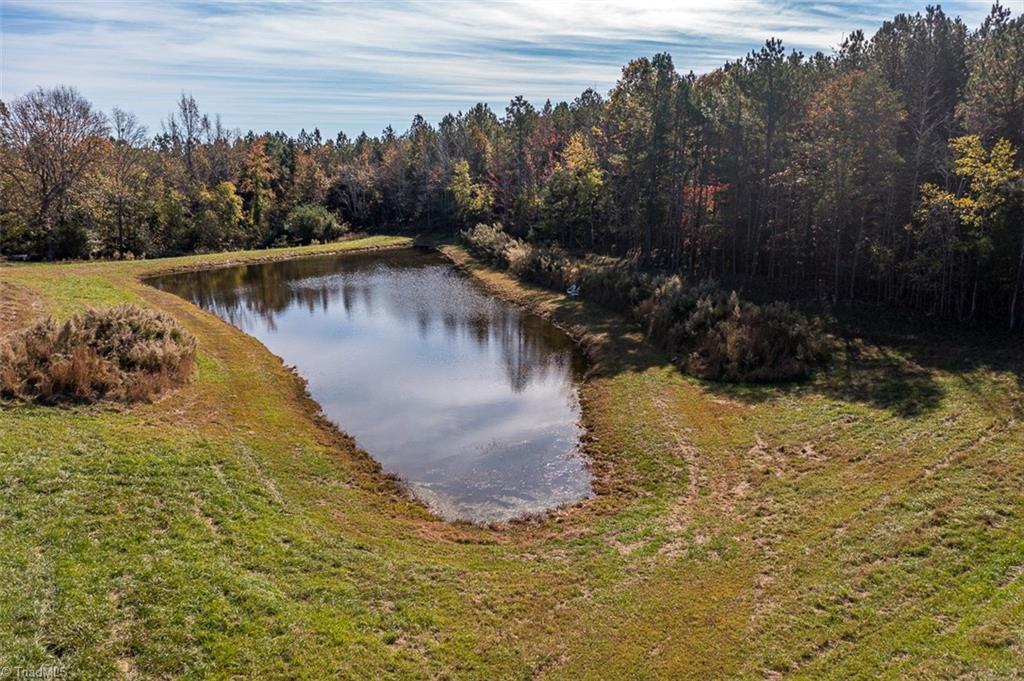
{"x": 368, "y": 64}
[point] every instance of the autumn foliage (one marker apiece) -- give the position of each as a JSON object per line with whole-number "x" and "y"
{"x": 841, "y": 176}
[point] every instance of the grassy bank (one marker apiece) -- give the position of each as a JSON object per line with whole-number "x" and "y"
{"x": 870, "y": 522}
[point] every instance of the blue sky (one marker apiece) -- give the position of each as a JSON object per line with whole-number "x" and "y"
{"x": 363, "y": 65}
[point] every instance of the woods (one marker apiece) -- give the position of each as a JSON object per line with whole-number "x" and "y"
{"x": 888, "y": 172}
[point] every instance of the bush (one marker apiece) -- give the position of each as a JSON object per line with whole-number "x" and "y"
{"x": 307, "y": 223}
{"x": 124, "y": 353}
{"x": 710, "y": 333}
{"x": 489, "y": 242}
{"x": 725, "y": 338}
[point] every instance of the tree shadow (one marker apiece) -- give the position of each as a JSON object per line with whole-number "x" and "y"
{"x": 879, "y": 377}
{"x": 901, "y": 368}
{"x": 882, "y": 374}
{"x": 883, "y": 377}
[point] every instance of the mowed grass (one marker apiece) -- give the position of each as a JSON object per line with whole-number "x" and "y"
{"x": 869, "y": 523}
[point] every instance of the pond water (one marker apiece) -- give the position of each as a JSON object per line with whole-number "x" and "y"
{"x": 471, "y": 401}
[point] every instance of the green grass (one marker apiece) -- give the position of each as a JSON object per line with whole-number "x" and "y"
{"x": 869, "y": 523}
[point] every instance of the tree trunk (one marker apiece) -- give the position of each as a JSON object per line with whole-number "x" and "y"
{"x": 835, "y": 285}
{"x": 48, "y": 230}
{"x": 120, "y": 227}
{"x": 1016, "y": 286}
{"x": 856, "y": 254}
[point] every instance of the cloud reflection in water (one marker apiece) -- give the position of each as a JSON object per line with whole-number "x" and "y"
{"x": 468, "y": 399}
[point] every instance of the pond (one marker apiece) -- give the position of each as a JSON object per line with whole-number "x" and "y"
{"x": 471, "y": 401}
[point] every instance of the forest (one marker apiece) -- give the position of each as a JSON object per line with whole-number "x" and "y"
{"x": 887, "y": 173}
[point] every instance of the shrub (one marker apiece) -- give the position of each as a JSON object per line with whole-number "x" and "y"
{"x": 122, "y": 353}
{"x": 306, "y": 224}
{"x": 733, "y": 340}
{"x": 613, "y": 282}
{"x": 490, "y": 242}
{"x": 711, "y": 333}
{"x": 676, "y": 314}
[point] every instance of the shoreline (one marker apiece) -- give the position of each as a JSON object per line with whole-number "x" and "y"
{"x": 532, "y": 299}
{"x": 732, "y": 526}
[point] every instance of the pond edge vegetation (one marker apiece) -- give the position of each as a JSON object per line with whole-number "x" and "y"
{"x": 709, "y": 333}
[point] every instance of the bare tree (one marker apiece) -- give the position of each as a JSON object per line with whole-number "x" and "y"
{"x": 186, "y": 130}
{"x": 51, "y": 138}
{"x": 125, "y": 165}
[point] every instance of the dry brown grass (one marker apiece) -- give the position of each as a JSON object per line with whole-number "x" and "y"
{"x": 124, "y": 353}
{"x": 18, "y": 305}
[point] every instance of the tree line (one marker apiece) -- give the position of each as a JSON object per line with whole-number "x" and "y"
{"x": 889, "y": 171}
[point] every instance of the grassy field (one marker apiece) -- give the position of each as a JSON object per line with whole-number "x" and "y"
{"x": 869, "y": 523}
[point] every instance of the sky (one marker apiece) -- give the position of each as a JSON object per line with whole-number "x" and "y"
{"x": 364, "y": 65}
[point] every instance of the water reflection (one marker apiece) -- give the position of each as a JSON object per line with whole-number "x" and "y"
{"x": 468, "y": 399}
